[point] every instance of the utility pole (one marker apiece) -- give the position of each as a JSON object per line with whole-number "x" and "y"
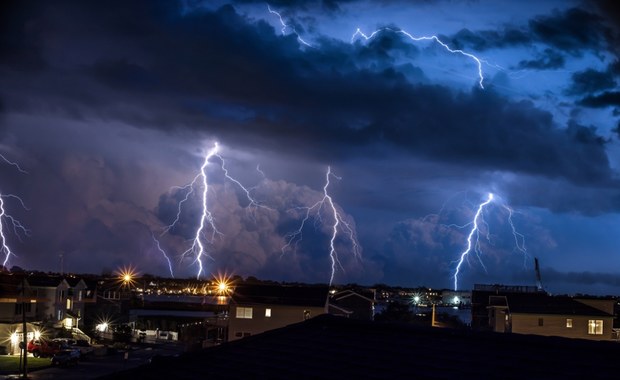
{"x": 24, "y": 330}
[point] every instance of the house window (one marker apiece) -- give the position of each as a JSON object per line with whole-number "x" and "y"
{"x": 59, "y": 315}
{"x": 267, "y": 313}
{"x": 244, "y": 312}
{"x": 68, "y": 303}
{"x": 595, "y": 327}
{"x": 307, "y": 314}
{"x": 569, "y": 323}
{"x": 80, "y": 295}
{"x": 540, "y": 322}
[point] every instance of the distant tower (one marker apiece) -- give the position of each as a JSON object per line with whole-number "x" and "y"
{"x": 538, "y": 278}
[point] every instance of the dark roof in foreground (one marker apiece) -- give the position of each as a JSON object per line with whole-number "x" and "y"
{"x": 328, "y": 347}
{"x": 281, "y": 295}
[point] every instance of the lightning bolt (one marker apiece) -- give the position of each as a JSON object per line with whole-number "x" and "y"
{"x": 473, "y": 238}
{"x": 474, "y": 231}
{"x": 161, "y": 250}
{"x": 519, "y": 238}
{"x": 286, "y": 26}
{"x": 15, "y": 164}
{"x": 337, "y": 224}
{"x": 359, "y": 33}
{"x": 198, "y": 249}
{"x": 7, "y": 220}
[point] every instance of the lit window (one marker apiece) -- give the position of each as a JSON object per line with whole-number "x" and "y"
{"x": 569, "y": 323}
{"x": 68, "y": 303}
{"x": 244, "y": 312}
{"x": 595, "y": 327}
{"x": 267, "y": 313}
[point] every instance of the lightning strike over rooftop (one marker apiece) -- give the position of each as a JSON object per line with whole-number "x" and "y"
{"x": 338, "y": 224}
{"x": 473, "y": 238}
{"x": 198, "y": 248}
{"x": 471, "y": 245}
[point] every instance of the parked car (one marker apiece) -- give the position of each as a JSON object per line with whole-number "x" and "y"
{"x": 43, "y": 348}
{"x": 85, "y": 349}
{"x": 66, "y": 357}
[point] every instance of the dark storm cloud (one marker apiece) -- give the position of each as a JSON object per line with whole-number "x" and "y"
{"x": 581, "y": 278}
{"x": 488, "y": 39}
{"x": 548, "y": 59}
{"x": 590, "y": 81}
{"x": 606, "y": 99}
{"x": 286, "y": 95}
{"x": 572, "y": 30}
{"x": 21, "y": 36}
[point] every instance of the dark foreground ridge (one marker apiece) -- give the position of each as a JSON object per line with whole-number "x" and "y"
{"x": 329, "y": 347}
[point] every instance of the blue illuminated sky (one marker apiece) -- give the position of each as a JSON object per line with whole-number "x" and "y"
{"x": 110, "y": 105}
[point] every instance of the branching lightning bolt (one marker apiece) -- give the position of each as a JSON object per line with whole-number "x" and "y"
{"x": 197, "y": 249}
{"x": 7, "y": 220}
{"x": 478, "y": 61}
{"x": 338, "y": 224}
{"x": 473, "y": 238}
{"x": 286, "y": 26}
{"x": 470, "y": 244}
{"x": 519, "y": 238}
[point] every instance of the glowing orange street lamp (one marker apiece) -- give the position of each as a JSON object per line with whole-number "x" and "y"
{"x": 127, "y": 276}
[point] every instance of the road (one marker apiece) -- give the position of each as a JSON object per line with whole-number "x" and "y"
{"x": 103, "y": 365}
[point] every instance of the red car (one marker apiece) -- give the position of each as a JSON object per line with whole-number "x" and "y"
{"x": 43, "y": 348}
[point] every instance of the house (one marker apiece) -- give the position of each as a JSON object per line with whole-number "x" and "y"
{"x": 195, "y": 320}
{"x": 258, "y": 308}
{"x": 16, "y": 296}
{"x": 351, "y": 304}
{"x": 542, "y": 314}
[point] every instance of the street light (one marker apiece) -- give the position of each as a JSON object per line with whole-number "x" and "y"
{"x": 126, "y": 277}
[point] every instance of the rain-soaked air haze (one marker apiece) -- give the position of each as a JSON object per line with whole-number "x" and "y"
{"x": 111, "y": 106}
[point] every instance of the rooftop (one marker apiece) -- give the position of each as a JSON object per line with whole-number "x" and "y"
{"x": 328, "y": 347}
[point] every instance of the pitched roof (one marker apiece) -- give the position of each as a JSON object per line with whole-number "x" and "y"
{"x": 44, "y": 280}
{"x": 556, "y": 305}
{"x": 328, "y": 347}
{"x": 315, "y": 296}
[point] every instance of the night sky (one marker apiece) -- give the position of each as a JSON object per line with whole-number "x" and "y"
{"x": 111, "y": 106}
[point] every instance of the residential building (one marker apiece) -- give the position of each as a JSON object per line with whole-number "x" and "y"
{"x": 353, "y": 304}
{"x": 258, "y": 308}
{"x": 15, "y": 297}
{"x": 542, "y": 314}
